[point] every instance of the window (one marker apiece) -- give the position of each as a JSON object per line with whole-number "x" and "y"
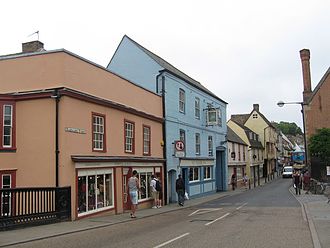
{"x": 95, "y": 190}
{"x": 146, "y": 140}
{"x": 197, "y": 108}
{"x": 182, "y": 100}
{"x": 144, "y": 176}
{"x": 98, "y": 132}
{"x": 198, "y": 144}
{"x": 7, "y": 126}
{"x": 207, "y": 172}
{"x": 129, "y": 137}
{"x": 183, "y": 136}
{"x": 210, "y": 145}
{"x": 193, "y": 174}
{"x": 239, "y": 152}
{"x": 244, "y": 158}
{"x": 255, "y": 116}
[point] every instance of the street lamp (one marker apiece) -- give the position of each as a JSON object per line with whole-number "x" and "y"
{"x": 281, "y": 104}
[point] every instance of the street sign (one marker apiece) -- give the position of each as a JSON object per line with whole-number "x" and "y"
{"x": 179, "y": 145}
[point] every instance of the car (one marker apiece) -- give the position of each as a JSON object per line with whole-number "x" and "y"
{"x": 287, "y": 172}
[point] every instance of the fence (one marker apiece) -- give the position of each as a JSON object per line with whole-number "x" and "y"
{"x": 34, "y": 206}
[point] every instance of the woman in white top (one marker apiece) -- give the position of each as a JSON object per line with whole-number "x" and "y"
{"x": 133, "y": 187}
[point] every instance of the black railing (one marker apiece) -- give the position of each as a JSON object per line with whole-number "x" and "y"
{"x": 34, "y": 206}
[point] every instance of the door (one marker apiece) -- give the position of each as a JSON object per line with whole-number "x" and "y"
{"x": 220, "y": 176}
{"x": 6, "y": 183}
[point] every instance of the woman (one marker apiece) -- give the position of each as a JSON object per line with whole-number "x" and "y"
{"x": 233, "y": 181}
{"x": 133, "y": 187}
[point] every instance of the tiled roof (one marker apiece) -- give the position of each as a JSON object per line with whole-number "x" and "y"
{"x": 233, "y": 137}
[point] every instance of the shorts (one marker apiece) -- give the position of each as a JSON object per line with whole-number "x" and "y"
{"x": 134, "y": 197}
{"x": 155, "y": 195}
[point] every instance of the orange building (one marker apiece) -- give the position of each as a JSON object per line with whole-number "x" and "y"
{"x": 66, "y": 121}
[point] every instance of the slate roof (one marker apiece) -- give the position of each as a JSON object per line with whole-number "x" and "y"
{"x": 233, "y": 137}
{"x": 170, "y": 68}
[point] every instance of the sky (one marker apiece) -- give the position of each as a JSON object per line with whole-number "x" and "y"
{"x": 245, "y": 52}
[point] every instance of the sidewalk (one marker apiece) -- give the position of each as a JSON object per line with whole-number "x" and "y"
{"x": 315, "y": 208}
{"x": 317, "y": 212}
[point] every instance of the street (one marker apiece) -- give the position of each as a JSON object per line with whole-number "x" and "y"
{"x": 267, "y": 216}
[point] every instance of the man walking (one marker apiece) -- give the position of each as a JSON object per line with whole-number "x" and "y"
{"x": 155, "y": 191}
{"x": 180, "y": 189}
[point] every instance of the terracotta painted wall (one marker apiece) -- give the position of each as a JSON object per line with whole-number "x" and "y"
{"x": 57, "y": 69}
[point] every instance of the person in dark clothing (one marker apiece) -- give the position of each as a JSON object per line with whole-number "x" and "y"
{"x": 233, "y": 181}
{"x": 297, "y": 182}
{"x": 180, "y": 190}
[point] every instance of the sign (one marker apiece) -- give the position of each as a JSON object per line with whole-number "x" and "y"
{"x": 179, "y": 149}
{"x": 328, "y": 170}
{"x": 179, "y": 145}
{"x": 75, "y": 130}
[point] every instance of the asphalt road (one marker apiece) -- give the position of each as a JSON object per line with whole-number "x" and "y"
{"x": 268, "y": 216}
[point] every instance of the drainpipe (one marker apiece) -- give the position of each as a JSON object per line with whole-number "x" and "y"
{"x": 57, "y": 97}
{"x": 164, "y": 132}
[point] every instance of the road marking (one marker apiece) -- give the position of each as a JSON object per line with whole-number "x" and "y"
{"x": 241, "y": 206}
{"x": 204, "y": 210}
{"x": 223, "y": 216}
{"x": 170, "y": 241}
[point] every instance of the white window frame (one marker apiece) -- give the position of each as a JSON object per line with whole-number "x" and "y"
{"x": 146, "y": 140}
{"x": 195, "y": 174}
{"x": 197, "y": 143}
{"x": 182, "y": 100}
{"x": 210, "y": 145}
{"x": 197, "y": 108}
{"x": 129, "y": 137}
{"x": 207, "y": 172}
{"x": 98, "y": 132}
{"x": 10, "y": 126}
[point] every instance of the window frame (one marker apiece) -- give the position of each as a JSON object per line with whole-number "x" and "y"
{"x": 198, "y": 144}
{"x": 197, "y": 108}
{"x": 12, "y": 146}
{"x": 207, "y": 175}
{"x": 182, "y": 101}
{"x": 100, "y": 116}
{"x": 210, "y": 145}
{"x": 195, "y": 171}
{"x": 132, "y": 151}
{"x": 148, "y": 152}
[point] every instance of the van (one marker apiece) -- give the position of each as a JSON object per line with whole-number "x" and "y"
{"x": 287, "y": 172}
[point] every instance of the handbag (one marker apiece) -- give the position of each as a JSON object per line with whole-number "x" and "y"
{"x": 186, "y": 196}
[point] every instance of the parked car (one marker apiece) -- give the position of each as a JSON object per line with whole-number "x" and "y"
{"x": 287, "y": 172}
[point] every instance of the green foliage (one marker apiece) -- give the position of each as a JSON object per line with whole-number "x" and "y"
{"x": 289, "y": 128}
{"x": 319, "y": 144}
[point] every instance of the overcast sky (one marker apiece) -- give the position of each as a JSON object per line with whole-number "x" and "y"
{"x": 245, "y": 51}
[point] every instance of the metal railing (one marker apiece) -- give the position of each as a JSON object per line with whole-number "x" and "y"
{"x": 34, "y": 206}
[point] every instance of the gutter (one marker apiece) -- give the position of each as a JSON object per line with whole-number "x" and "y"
{"x": 57, "y": 97}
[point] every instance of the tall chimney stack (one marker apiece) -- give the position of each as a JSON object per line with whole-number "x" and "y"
{"x": 305, "y": 56}
{"x": 32, "y": 46}
{"x": 256, "y": 107}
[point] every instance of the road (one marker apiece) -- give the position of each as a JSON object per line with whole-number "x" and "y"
{"x": 267, "y": 216}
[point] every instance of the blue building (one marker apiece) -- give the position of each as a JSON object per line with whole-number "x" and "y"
{"x": 195, "y": 120}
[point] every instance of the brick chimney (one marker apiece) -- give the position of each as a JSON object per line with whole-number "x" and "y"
{"x": 305, "y": 56}
{"x": 32, "y": 46}
{"x": 256, "y": 107}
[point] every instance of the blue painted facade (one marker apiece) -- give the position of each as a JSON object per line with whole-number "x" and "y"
{"x": 204, "y": 166}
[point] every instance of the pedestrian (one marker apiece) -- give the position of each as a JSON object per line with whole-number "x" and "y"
{"x": 297, "y": 182}
{"x": 245, "y": 180}
{"x": 133, "y": 187}
{"x": 180, "y": 189}
{"x": 233, "y": 181}
{"x": 155, "y": 193}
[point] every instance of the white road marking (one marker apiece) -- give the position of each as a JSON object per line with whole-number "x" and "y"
{"x": 223, "y": 216}
{"x": 241, "y": 206}
{"x": 204, "y": 210}
{"x": 170, "y": 241}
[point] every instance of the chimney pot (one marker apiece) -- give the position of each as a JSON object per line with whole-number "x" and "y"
{"x": 32, "y": 46}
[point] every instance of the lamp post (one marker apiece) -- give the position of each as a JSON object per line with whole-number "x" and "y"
{"x": 281, "y": 104}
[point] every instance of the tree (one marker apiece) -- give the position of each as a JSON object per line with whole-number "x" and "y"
{"x": 319, "y": 145}
{"x": 289, "y": 128}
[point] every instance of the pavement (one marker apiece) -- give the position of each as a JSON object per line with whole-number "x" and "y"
{"x": 315, "y": 210}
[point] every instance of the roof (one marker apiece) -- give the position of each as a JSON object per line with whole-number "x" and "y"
{"x": 319, "y": 85}
{"x": 233, "y": 137}
{"x": 170, "y": 68}
{"x": 242, "y": 118}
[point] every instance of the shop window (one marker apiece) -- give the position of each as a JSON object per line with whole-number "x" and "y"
{"x": 193, "y": 174}
{"x": 145, "y": 179}
{"x": 95, "y": 191}
{"x": 207, "y": 172}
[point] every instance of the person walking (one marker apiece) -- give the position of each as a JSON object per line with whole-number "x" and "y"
{"x": 245, "y": 180}
{"x": 233, "y": 181}
{"x": 297, "y": 182}
{"x": 133, "y": 188}
{"x": 180, "y": 189}
{"x": 154, "y": 185}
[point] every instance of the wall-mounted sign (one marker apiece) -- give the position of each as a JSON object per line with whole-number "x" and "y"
{"x": 179, "y": 149}
{"x": 75, "y": 130}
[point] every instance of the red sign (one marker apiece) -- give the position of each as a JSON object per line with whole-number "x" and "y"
{"x": 179, "y": 145}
